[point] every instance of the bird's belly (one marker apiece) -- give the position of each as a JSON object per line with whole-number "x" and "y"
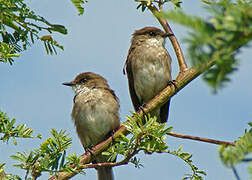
{"x": 95, "y": 120}
{"x": 149, "y": 80}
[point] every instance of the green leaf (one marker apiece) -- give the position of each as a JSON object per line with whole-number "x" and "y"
{"x": 58, "y": 28}
{"x": 232, "y": 155}
{"x": 8, "y": 129}
{"x": 50, "y": 157}
{"x": 20, "y": 27}
{"x": 176, "y": 3}
{"x": 186, "y": 157}
{"x": 78, "y": 4}
{"x": 218, "y": 38}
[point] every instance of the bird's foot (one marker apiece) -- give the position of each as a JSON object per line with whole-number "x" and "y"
{"x": 88, "y": 149}
{"x": 142, "y": 108}
{"x": 173, "y": 82}
{"x": 144, "y": 113}
{"x": 111, "y": 134}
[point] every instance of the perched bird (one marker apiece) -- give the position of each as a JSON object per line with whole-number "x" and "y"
{"x": 148, "y": 68}
{"x": 95, "y": 114}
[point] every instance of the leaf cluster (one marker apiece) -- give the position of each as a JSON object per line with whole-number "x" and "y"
{"x": 187, "y": 158}
{"x": 231, "y": 155}
{"x": 4, "y": 176}
{"x": 7, "y": 53}
{"x": 241, "y": 152}
{"x": 19, "y": 26}
{"x": 218, "y": 38}
{"x": 79, "y": 5}
{"x": 8, "y": 129}
{"x": 143, "y": 4}
{"x": 50, "y": 157}
{"x": 148, "y": 135}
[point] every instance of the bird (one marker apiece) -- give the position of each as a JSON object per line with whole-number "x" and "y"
{"x": 95, "y": 114}
{"x": 148, "y": 68}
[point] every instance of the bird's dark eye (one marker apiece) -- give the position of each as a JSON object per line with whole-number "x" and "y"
{"x": 83, "y": 80}
{"x": 152, "y": 33}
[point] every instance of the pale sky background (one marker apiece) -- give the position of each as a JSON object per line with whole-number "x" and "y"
{"x": 98, "y": 41}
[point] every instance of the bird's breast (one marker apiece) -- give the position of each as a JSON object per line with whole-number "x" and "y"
{"x": 95, "y": 114}
{"x": 151, "y": 72}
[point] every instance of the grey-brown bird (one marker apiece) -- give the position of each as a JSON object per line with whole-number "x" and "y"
{"x": 95, "y": 114}
{"x": 148, "y": 68}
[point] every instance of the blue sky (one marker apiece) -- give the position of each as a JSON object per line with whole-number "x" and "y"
{"x": 98, "y": 41}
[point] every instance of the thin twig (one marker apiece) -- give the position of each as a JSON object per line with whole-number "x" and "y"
{"x": 181, "y": 59}
{"x": 2, "y": 175}
{"x": 247, "y": 160}
{"x": 130, "y": 154}
{"x": 196, "y": 138}
{"x": 111, "y": 164}
{"x": 105, "y": 164}
{"x": 236, "y": 173}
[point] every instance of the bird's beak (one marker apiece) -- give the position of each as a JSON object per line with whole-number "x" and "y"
{"x": 68, "y": 83}
{"x": 167, "y": 35}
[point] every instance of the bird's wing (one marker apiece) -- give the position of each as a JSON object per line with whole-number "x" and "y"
{"x": 128, "y": 66}
{"x": 164, "y": 112}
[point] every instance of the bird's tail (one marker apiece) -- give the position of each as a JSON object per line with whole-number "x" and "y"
{"x": 105, "y": 173}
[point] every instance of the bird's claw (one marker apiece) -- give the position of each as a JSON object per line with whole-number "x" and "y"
{"x": 90, "y": 151}
{"x": 173, "y": 82}
{"x": 144, "y": 113}
{"x": 111, "y": 134}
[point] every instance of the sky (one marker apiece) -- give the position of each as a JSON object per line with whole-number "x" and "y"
{"x": 31, "y": 89}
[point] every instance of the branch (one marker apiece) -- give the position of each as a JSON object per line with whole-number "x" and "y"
{"x": 181, "y": 59}
{"x": 236, "y": 173}
{"x": 196, "y": 138}
{"x": 112, "y": 164}
{"x": 2, "y": 173}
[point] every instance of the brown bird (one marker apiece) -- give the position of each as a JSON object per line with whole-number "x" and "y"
{"x": 148, "y": 67}
{"x": 95, "y": 114}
